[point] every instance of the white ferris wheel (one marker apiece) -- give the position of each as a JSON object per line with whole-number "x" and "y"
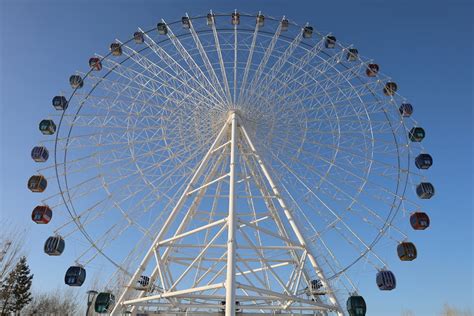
{"x": 233, "y": 163}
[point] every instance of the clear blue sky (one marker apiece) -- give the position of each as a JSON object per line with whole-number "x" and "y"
{"x": 425, "y": 45}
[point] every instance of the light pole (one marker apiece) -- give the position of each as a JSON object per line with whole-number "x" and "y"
{"x": 90, "y": 298}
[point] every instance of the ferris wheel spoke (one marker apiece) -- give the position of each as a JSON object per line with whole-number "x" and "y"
{"x": 318, "y": 235}
{"x": 349, "y": 172}
{"x": 334, "y": 213}
{"x": 322, "y": 241}
{"x": 248, "y": 64}
{"x": 354, "y": 199}
{"x": 235, "y": 65}
{"x": 263, "y": 63}
{"x": 221, "y": 60}
{"x": 264, "y": 85}
{"x": 171, "y": 62}
{"x": 202, "y": 79}
{"x": 152, "y": 85}
{"x": 328, "y": 86}
{"x": 217, "y": 84}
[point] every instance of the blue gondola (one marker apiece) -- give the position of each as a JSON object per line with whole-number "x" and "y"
{"x": 75, "y": 276}
{"x": 143, "y": 280}
{"x": 423, "y": 161}
{"x": 39, "y": 154}
{"x": 60, "y": 103}
{"x": 425, "y": 190}
{"x": 386, "y": 280}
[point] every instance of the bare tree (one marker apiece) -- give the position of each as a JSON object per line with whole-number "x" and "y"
{"x": 407, "y": 312}
{"x": 449, "y": 310}
{"x": 56, "y": 303}
{"x": 12, "y": 242}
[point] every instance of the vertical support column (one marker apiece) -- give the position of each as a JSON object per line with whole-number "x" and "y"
{"x": 231, "y": 225}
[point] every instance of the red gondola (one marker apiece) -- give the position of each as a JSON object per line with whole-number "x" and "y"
{"x": 42, "y": 214}
{"x": 372, "y": 70}
{"x": 95, "y": 64}
{"x": 419, "y": 221}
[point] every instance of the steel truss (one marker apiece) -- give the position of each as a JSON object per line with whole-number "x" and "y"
{"x": 240, "y": 271}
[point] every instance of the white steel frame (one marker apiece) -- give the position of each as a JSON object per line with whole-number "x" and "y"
{"x": 232, "y": 223}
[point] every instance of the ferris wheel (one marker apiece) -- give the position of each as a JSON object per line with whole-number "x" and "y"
{"x": 231, "y": 163}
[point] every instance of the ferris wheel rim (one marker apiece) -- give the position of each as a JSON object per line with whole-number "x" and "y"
{"x": 68, "y": 199}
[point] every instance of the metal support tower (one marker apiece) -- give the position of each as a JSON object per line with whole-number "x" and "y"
{"x": 193, "y": 298}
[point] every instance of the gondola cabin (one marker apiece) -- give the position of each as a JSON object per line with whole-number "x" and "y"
{"x": 416, "y": 134}
{"x": 307, "y": 32}
{"x": 37, "y": 183}
{"x": 425, "y": 190}
{"x": 116, "y": 49}
{"x": 138, "y": 37}
{"x": 143, "y": 280}
{"x": 356, "y": 305}
{"x": 47, "y": 127}
{"x": 390, "y": 88}
{"x": 386, "y": 280}
{"x": 235, "y": 18}
{"x": 330, "y": 42}
{"x": 423, "y": 161}
{"x": 54, "y": 246}
{"x": 162, "y": 28}
{"x": 60, "y": 103}
{"x": 42, "y": 214}
{"x": 76, "y": 82}
{"x": 419, "y": 221}
{"x": 406, "y": 109}
{"x": 406, "y": 251}
{"x": 285, "y": 24}
{"x": 237, "y": 306}
{"x": 185, "y": 22}
{"x": 260, "y": 20}
{"x": 75, "y": 276}
{"x": 95, "y": 64}
{"x": 372, "y": 70}
{"x": 352, "y": 54}
{"x": 39, "y": 154}
{"x": 103, "y": 302}
{"x": 210, "y": 19}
